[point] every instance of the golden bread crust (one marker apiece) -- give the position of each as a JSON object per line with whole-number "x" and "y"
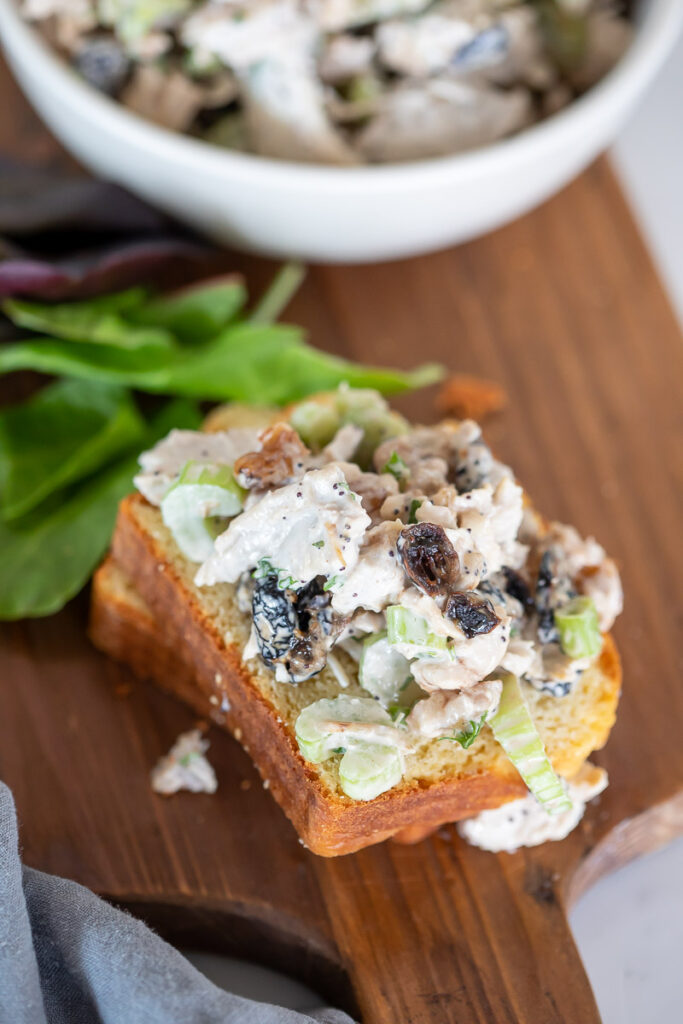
{"x": 176, "y": 641}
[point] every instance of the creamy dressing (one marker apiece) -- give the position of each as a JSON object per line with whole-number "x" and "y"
{"x": 296, "y": 79}
{"x": 378, "y": 578}
{"x": 161, "y": 465}
{"x": 524, "y": 822}
{"x": 439, "y": 534}
{"x": 585, "y": 561}
{"x": 470, "y": 661}
{"x": 185, "y": 767}
{"x": 310, "y": 528}
{"x": 444, "y": 711}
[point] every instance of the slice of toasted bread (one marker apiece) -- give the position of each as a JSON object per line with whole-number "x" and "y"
{"x": 202, "y": 632}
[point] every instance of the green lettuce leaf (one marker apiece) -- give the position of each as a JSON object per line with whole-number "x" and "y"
{"x": 100, "y": 321}
{"x": 60, "y": 435}
{"x": 196, "y": 313}
{"x": 248, "y": 362}
{"x": 48, "y": 555}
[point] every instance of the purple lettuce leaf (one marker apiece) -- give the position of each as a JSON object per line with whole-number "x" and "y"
{"x": 67, "y": 237}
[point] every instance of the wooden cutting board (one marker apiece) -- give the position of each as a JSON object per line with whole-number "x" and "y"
{"x": 565, "y": 310}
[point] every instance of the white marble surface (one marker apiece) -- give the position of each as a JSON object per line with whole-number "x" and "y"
{"x": 629, "y": 927}
{"x": 649, "y": 159}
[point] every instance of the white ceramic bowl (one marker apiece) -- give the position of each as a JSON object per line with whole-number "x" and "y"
{"x": 335, "y": 214}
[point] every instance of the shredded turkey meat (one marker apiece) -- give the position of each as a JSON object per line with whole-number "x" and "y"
{"x": 444, "y": 710}
{"x": 340, "y": 81}
{"x": 426, "y": 570}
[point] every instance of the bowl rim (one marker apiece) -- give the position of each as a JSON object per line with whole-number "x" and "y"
{"x": 657, "y": 28}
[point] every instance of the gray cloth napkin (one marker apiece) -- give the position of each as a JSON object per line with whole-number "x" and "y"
{"x": 67, "y": 957}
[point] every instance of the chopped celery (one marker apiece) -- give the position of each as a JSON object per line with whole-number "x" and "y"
{"x": 579, "y": 628}
{"x": 404, "y": 627}
{"x": 369, "y": 769}
{"x": 196, "y": 504}
{"x": 316, "y": 423}
{"x": 383, "y": 671}
{"x": 368, "y": 410}
{"x": 514, "y": 729}
{"x": 327, "y": 725}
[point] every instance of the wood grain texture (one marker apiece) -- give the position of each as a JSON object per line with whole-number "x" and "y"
{"x": 564, "y": 309}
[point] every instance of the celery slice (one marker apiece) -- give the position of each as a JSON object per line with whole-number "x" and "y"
{"x": 326, "y": 726}
{"x": 369, "y": 769}
{"x": 316, "y": 423}
{"x": 383, "y": 671}
{"x": 196, "y": 505}
{"x": 514, "y": 729}
{"x": 579, "y": 628}
{"x": 404, "y": 627}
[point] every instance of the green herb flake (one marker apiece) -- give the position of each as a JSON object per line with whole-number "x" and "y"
{"x": 330, "y": 583}
{"x": 467, "y": 736}
{"x": 396, "y": 466}
{"x": 414, "y": 506}
{"x": 318, "y": 543}
{"x": 285, "y": 580}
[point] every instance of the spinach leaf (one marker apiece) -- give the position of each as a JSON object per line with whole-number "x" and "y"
{"x": 85, "y": 361}
{"x": 100, "y": 321}
{"x": 249, "y": 362}
{"x": 48, "y": 555}
{"x": 60, "y": 435}
{"x": 198, "y": 312}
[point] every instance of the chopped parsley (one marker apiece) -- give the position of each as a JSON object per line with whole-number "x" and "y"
{"x": 396, "y": 466}
{"x": 467, "y": 736}
{"x": 318, "y": 543}
{"x": 285, "y": 580}
{"x": 414, "y": 506}
{"x": 330, "y": 583}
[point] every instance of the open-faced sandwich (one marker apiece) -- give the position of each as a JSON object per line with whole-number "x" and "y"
{"x": 377, "y": 613}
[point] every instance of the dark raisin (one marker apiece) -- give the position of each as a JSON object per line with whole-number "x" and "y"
{"x": 474, "y": 615}
{"x": 428, "y": 557}
{"x": 516, "y": 586}
{"x": 102, "y": 62}
{"x": 313, "y": 603}
{"x": 293, "y": 627}
{"x": 275, "y": 618}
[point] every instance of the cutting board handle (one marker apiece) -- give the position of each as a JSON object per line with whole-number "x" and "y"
{"x": 436, "y": 948}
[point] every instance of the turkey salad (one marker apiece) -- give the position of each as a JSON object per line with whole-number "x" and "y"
{"x": 411, "y": 549}
{"x": 339, "y": 82}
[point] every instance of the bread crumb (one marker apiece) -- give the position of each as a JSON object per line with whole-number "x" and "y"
{"x": 213, "y": 699}
{"x": 218, "y": 678}
{"x": 469, "y": 397}
{"x": 266, "y": 783}
{"x": 237, "y": 733}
